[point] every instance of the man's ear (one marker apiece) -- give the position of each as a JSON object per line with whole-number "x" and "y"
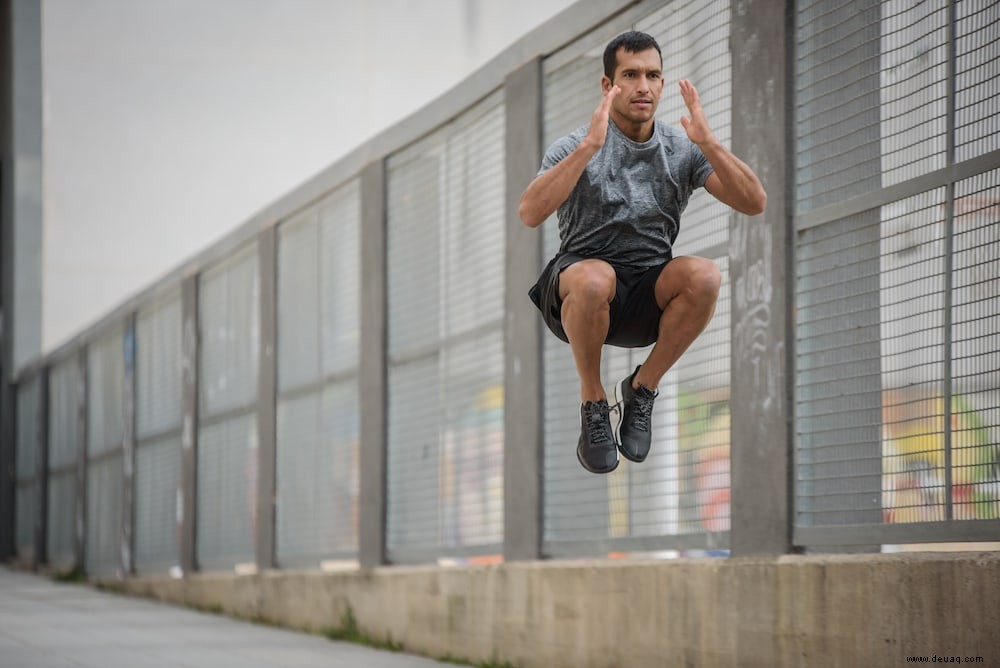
{"x": 605, "y": 84}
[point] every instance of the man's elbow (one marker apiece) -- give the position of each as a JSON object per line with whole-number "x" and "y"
{"x": 757, "y": 204}
{"x": 529, "y": 217}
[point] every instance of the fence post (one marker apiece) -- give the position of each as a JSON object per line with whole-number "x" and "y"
{"x": 80, "y": 505}
{"x": 187, "y": 494}
{"x": 523, "y": 372}
{"x": 42, "y": 467}
{"x": 761, "y": 271}
{"x": 372, "y": 368}
{"x": 266, "y": 398}
{"x": 127, "y": 550}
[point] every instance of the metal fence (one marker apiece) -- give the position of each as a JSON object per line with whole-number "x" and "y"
{"x": 217, "y": 421}
{"x": 896, "y": 291}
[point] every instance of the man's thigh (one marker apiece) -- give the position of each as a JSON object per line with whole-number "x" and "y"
{"x": 681, "y": 274}
{"x": 588, "y": 274}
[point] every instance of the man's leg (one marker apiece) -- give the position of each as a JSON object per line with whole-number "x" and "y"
{"x": 686, "y": 291}
{"x": 586, "y": 289}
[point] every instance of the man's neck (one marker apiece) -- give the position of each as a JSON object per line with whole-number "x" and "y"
{"x": 637, "y": 132}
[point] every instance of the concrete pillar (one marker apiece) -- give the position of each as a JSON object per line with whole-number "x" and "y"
{"x": 266, "y": 401}
{"x": 761, "y": 271}
{"x": 523, "y": 468}
{"x": 22, "y": 184}
{"x": 187, "y": 494}
{"x": 20, "y": 224}
{"x": 373, "y": 368}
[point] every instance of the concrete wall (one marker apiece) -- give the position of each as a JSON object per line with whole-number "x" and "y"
{"x": 844, "y": 610}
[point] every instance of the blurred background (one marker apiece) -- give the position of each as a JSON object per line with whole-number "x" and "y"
{"x": 168, "y": 124}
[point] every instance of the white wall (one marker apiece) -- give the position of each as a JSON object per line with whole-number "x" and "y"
{"x": 167, "y": 124}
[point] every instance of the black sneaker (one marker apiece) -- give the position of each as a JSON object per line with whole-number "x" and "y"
{"x": 597, "y": 450}
{"x": 635, "y": 410}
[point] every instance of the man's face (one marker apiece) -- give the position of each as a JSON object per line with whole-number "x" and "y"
{"x": 640, "y": 78}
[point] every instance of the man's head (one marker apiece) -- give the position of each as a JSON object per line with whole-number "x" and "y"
{"x": 634, "y": 63}
{"x": 632, "y": 41}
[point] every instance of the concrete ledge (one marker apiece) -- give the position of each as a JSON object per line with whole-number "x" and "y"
{"x": 842, "y": 610}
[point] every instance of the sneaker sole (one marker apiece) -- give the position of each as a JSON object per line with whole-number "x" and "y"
{"x": 587, "y": 468}
{"x": 619, "y": 397}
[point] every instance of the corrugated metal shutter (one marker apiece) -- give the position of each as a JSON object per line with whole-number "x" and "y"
{"x": 977, "y": 82}
{"x": 105, "y": 434}
{"x": 26, "y": 474}
{"x": 445, "y": 423}
{"x": 683, "y": 487}
{"x": 896, "y": 390}
{"x": 836, "y": 97}
{"x": 229, "y": 305}
{"x": 158, "y": 434}
{"x": 64, "y": 389}
{"x": 318, "y": 348}
{"x": 975, "y": 344}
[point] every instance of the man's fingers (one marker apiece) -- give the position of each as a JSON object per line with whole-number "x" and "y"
{"x": 688, "y": 92}
{"x": 609, "y": 96}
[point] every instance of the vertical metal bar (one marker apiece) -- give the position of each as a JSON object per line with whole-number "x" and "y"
{"x": 523, "y": 375}
{"x": 266, "y": 401}
{"x": 8, "y": 392}
{"x": 42, "y": 467}
{"x": 127, "y": 535}
{"x": 949, "y": 232}
{"x": 372, "y": 368}
{"x": 789, "y": 194}
{"x": 187, "y": 493}
{"x": 80, "y": 506}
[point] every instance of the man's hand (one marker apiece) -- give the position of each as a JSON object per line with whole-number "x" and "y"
{"x": 598, "y": 131}
{"x": 697, "y": 125}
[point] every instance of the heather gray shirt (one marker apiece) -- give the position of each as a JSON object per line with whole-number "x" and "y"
{"x": 626, "y": 207}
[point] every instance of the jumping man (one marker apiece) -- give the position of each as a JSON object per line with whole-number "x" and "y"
{"x": 619, "y": 185}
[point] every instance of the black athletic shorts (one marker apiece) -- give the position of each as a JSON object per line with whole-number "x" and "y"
{"x": 635, "y": 315}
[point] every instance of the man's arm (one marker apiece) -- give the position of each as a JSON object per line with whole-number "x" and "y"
{"x": 732, "y": 182}
{"x": 549, "y": 190}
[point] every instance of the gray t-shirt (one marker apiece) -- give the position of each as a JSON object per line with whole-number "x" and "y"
{"x": 626, "y": 207}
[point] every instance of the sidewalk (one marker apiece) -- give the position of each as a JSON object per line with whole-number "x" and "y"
{"x": 44, "y": 624}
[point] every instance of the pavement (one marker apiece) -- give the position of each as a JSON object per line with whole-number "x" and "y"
{"x": 46, "y": 624}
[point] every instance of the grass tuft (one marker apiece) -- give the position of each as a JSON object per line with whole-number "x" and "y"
{"x": 349, "y": 631}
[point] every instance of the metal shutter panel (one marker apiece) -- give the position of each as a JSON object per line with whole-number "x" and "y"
{"x": 318, "y": 423}
{"x": 684, "y": 487}
{"x": 446, "y": 254}
{"x": 158, "y": 432}
{"x": 26, "y": 475}
{"x": 227, "y": 439}
{"x": 64, "y": 388}
{"x": 977, "y": 80}
{"x": 105, "y": 422}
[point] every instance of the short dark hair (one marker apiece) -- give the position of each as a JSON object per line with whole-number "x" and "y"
{"x": 632, "y": 41}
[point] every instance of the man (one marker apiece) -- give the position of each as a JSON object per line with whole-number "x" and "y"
{"x": 619, "y": 185}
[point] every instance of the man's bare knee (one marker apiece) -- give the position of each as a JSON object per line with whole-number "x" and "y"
{"x": 588, "y": 281}
{"x": 704, "y": 279}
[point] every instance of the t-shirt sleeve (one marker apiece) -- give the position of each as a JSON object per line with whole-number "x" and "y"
{"x": 701, "y": 168}
{"x": 558, "y": 151}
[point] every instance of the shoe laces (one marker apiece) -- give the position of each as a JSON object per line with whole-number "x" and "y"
{"x": 596, "y": 418}
{"x": 642, "y": 409}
